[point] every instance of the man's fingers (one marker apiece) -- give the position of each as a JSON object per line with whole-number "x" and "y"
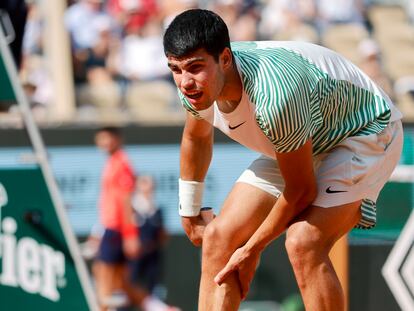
{"x": 197, "y": 241}
{"x": 207, "y": 215}
{"x": 223, "y": 274}
{"x": 244, "y": 281}
{"x": 195, "y": 235}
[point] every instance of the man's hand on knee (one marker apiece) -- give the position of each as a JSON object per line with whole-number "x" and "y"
{"x": 244, "y": 264}
{"x": 194, "y": 227}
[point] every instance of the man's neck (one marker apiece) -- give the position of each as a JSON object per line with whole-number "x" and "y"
{"x": 114, "y": 151}
{"x": 232, "y": 91}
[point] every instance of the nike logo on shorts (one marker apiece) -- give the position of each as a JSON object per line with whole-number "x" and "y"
{"x": 234, "y": 127}
{"x": 328, "y": 190}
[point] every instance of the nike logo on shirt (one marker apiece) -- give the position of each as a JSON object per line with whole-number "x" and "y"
{"x": 234, "y": 127}
{"x": 328, "y": 190}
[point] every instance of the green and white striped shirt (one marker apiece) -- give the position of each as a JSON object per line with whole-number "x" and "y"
{"x": 295, "y": 91}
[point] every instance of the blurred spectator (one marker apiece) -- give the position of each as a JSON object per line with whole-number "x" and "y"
{"x": 16, "y": 13}
{"x": 37, "y": 85}
{"x": 95, "y": 56}
{"x": 339, "y": 12}
{"x": 94, "y": 70}
{"x": 141, "y": 56}
{"x": 288, "y": 20}
{"x": 84, "y": 21}
{"x": 34, "y": 71}
{"x": 32, "y": 38}
{"x": 132, "y": 13}
{"x": 118, "y": 58}
{"x": 150, "y": 94}
{"x": 370, "y": 63}
{"x": 147, "y": 269}
{"x": 342, "y": 26}
{"x": 410, "y": 9}
{"x": 241, "y": 17}
{"x": 171, "y": 8}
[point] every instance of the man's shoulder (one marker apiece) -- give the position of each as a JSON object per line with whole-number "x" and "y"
{"x": 282, "y": 53}
{"x": 270, "y": 55}
{"x": 121, "y": 159}
{"x": 271, "y": 67}
{"x": 252, "y": 46}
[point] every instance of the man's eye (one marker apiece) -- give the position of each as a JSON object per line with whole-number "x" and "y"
{"x": 195, "y": 68}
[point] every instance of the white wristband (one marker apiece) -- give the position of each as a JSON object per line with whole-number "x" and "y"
{"x": 190, "y": 196}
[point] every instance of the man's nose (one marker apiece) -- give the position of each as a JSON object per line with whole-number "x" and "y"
{"x": 187, "y": 82}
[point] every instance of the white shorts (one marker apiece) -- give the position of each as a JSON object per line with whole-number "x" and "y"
{"x": 355, "y": 169}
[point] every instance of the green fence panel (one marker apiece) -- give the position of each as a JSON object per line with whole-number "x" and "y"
{"x": 37, "y": 271}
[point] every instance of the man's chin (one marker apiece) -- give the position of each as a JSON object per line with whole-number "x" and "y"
{"x": 201, "y": 106}
{"x": 198, "y": 104}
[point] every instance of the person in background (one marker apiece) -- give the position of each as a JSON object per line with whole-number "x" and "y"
{"x": 241, "y": 16}
{"x": 132, "y": 13}
{"x": 120, "y": 241}
{"x": 83, "y": 21}
{"x": 141, "y": 57}
{"x": 13, "y": 12}
{"x": 34, "y": 72}
{"x": 147, "y": 269}
{"x": 370, "y": 63}
{"x": 168, "y": 9}
{"x": 17, "y": 13}
{"x": 339, "y": 12}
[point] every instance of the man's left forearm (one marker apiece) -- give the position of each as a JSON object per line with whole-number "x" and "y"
{"x": 282, "y": 214}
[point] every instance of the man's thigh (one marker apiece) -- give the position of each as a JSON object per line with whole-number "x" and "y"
{"x": 110, "y": 248}
{"x": 322, "y": 227}
{"x": 244, "y": 210}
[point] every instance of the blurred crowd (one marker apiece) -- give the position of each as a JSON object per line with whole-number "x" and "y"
{"x": 120, "y": 72}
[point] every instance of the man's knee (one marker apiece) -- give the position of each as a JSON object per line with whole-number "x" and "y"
{"x": 303, "y": 243}
{"x": 216, "y": 243}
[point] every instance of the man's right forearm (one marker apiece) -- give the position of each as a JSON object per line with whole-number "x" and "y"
{"x": 195, "y": 157}
{"x": 196, "y": 153}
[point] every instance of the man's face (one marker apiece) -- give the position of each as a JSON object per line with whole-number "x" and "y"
{"x": 199, "y": 77}
{"x": 107, "y": 142}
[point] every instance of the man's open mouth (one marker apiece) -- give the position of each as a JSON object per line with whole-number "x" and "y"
{"x": 195, "y": 95}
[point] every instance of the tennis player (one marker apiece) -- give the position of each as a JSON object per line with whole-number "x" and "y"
{"x": 329, "y": 138}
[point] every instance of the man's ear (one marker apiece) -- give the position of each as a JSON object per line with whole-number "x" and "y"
{"x": 226, "y": 58}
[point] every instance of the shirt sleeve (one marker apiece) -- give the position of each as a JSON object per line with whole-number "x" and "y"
{"x": 287, "y": 108}
{"x": 129, "y": 230}
{"x": 126, "y": 178}
{"x": 288, "y": 123}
